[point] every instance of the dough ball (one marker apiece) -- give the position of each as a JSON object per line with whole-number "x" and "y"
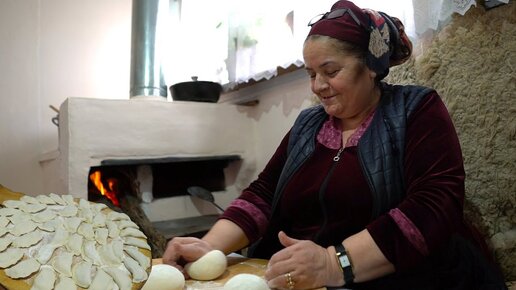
{"x": 164, "y": 277}
{"x": 208, "y": 267}
{"x": 246, "y": 281}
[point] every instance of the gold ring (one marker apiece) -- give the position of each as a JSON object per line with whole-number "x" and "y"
{"x": 290, "y": 282}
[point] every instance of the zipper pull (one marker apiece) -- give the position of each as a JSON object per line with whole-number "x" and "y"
{"x": 337, "y": 157}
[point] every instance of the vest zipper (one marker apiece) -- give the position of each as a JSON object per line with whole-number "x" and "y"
{"x": 322, "y": 192}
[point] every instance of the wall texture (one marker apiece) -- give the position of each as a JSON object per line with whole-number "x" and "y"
{"x": 472, "y": 63}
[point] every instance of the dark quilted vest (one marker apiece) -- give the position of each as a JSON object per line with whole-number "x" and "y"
{"x": 380, "y": 149}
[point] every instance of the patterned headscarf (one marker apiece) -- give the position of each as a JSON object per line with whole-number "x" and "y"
{"x": 380, "y": 35}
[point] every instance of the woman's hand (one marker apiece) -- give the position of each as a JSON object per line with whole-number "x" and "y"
{"x": 310, "y": 266}
{"x": 184, "y": 250}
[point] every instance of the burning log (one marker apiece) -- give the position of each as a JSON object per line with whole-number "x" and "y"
{"x": 119, "y": 189}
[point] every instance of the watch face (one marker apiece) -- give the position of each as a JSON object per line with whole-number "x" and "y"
{"x": 344, "y": 261}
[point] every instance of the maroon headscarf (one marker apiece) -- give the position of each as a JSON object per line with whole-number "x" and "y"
{"x": 381, "y": 36}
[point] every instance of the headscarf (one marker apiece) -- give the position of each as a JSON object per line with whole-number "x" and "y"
{"x": 380, "y": 35}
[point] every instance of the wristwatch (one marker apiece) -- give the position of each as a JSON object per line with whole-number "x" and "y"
{"x": 345, "y": 264}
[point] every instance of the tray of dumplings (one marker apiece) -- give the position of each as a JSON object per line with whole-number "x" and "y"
{"x": 61, "y": 242}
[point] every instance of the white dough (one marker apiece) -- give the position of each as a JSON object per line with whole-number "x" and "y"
{"x": 208, "y": 267}
{"x": 247, "y": 282}
{"x": 108, "y": 255}
{"x": 114, "y": 231}
{"x": 29, "y": 199}
{"x": 74, "y": 244}
{"x": 101, "y": 235}
{"x": 44, "y": 216}
{"x": 164, "y": 277}
{"x": 89, "y": 252}
{"x": 23, "y": 228}
{"x": 71, "y": 224}
{"x": 68, "y": 211}
{"x": 13, "y": 203}
{"x": 45, "y": 199}
{"x": 33, "y": 207}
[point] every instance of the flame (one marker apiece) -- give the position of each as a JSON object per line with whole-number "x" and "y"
{"x": 109, "y": 192}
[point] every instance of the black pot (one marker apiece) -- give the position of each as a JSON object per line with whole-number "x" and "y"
{"x": 196, "y": 91}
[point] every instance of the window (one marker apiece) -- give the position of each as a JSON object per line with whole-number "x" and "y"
{"x": 234, "y": 41}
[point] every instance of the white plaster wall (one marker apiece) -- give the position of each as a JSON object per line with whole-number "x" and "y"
{"x": 49, "y": 51}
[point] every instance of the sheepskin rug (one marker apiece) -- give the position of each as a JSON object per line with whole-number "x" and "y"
{"x": 471, "y": 62}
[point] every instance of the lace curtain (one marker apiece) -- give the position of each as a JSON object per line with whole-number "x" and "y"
{"x": 234, "y": 41}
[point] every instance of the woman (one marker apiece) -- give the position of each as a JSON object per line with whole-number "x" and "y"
{"x": 367, "y": 189}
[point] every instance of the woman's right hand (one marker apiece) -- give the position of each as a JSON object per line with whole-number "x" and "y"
{"x": 182, "y": 250}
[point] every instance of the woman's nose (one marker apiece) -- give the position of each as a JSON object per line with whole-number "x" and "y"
{"x": 319, "y": 84}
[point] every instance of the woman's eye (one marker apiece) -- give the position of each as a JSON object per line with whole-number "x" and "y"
{"x": 332, "y": 73}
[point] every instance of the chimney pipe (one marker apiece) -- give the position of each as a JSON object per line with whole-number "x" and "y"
{"x": 147, "y": 77}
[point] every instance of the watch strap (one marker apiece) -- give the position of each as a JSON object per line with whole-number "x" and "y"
{"x": 345, "y": 264}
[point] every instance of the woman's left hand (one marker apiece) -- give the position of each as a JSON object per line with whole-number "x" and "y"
{"x": 304, "y": 263}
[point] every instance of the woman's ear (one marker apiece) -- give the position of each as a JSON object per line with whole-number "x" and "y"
{"x": 372, "y": 74}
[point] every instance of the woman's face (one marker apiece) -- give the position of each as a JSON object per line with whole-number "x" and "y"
{"x": 341, "y": 81}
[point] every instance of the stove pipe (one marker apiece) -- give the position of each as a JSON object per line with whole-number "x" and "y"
{"x": 147, "y": 77}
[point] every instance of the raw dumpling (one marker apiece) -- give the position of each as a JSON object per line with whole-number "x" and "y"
{"x": 74, "y": 244}
{"x": 81, "y": 273}
{"x": 102, "y": 281}
{"x": 132, "y": 241}
{"x": 132, "y": 232}
{"x": 68, "y": 199}
{"x": 33, "y": 207}
{"x": 60, "y": 237}
{"x": 71, "y": 224}
{"x": 28, "y": 239}
{"x": 45, "y": 279}
{"x": 57, "y": 199}
{"x": 13, "y": 203}
{"x": 23, "y": 269}
{"x": 44, "y": 216}
{"x": 6, "y": 242}
{"x": 114, "y": 231}
{"x": 101, "y": 235}
{"x": 122, "y": 278}
{"x": 62, "y": 263}
{"x": 4, "y": 221}
{"x": 208, "y": 267}
{"x": 45, "y": 253}
{"x": 139, "y": 274}
{"x": 165, "y": 277}
{"x": 99, "y": 220}
{"x": 117, "y": 216}
{"x": 45, "y": 199}
{"x": 68, "y": 211}
{"x": 122, "y": 224}
{"x": 86, "y": 230}
{"x": 10, "y": 257}
{"x": 65, "y": 283}
{"x": 51, "y": 225}
{"x": 143, "y": 260}
{"x": 23, "y": 228}
{"x": 108, "y": 256}
{"x": 29, "y": 199}
{"x": 7, "y": 211}
{"x": 89, "y": 252}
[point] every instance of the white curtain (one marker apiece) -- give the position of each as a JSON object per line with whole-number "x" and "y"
{"x": 235, "y": 41}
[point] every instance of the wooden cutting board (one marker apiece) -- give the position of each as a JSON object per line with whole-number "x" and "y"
{"x": 13, "y": 284}
{"x": 236, "y": 265}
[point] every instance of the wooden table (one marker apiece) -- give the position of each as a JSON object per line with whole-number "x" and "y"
{"x": 236, "y": 265}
